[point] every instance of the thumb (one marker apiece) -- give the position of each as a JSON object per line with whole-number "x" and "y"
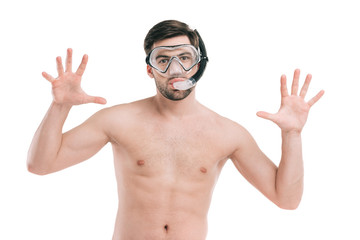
{"x": 265, "y": 115}
{"x": 92, "y": 99}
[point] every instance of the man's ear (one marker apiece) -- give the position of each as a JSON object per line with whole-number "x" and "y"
{"x": 149, "y": 71}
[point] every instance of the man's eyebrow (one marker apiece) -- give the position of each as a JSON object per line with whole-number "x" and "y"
{"x": 161, "y": 56}
{"x": 184, "y": 53}
{"x": 166, "y": 56}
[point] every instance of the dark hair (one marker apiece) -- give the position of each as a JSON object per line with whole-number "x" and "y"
{"x": 168, "y": 29}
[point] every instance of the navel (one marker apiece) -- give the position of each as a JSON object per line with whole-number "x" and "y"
{"x": 140, "y": 162}
{"x": 203, "y": 170}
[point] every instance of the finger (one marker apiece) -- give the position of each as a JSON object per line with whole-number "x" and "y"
{"x": 48, "y": 77}
{"x": 316, "y": 98}
{"x": 295, "y": 83}
{"x": 305, "y": 87}
{"x": 92, "y": 99}
{"x": 68, "y": 67}
{"x": 284, "y": 90}
{"x": 60, "y": 68}
{"x": 80, "y": 71}
{"x": 265, "y": 115}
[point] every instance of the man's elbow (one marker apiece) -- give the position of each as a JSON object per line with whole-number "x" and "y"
{"x": 290, "y": 199}
{"x": 289, "y": 205}
{"x": 36, "y": 168}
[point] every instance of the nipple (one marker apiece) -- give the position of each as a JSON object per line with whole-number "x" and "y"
{"x": 184, "y": 85}
{"x": 140, "y": 162}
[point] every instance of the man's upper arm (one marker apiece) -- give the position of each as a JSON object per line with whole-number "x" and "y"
{"x": 254, "y": 165}
{"x": 82, "y": 142}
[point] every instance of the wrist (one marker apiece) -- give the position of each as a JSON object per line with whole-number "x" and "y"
{"x": 291, "y": 133}
{"x": 61, "y": 106}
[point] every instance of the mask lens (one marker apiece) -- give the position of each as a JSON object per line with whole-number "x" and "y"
{"x": 186, "y": 55}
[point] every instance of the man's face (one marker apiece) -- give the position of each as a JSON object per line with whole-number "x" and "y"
{"x": 164, "y": 82}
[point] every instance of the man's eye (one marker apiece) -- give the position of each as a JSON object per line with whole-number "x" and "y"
{"x": 163, "y": 61}
{"x": 185, "y": 58}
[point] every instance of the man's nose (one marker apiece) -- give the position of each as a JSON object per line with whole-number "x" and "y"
{"x": 175, "y": 67}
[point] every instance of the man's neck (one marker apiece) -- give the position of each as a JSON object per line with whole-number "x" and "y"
{"x": 176, "y": 109}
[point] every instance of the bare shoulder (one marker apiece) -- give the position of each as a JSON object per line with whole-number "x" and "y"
{"x": 230, "y": 132}
{"x": 122, "y": 112}
{"x": 227, "y": 125}
{"x": 120, "y": 118}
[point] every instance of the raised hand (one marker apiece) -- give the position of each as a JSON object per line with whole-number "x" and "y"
{"x": 294, "y": 110}
{"x": 66, "y": 88}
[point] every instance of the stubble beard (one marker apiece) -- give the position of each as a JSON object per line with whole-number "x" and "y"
{"x": 169, "y": 93}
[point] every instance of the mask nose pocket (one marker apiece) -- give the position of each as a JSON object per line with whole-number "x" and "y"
{"x": 175, "y": 68}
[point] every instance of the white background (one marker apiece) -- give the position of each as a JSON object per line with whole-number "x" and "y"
{"x": 250, "y": 44}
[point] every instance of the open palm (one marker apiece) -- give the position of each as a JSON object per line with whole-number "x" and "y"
{"x": 66, "y": 88}
{"x": 294, "y": 110}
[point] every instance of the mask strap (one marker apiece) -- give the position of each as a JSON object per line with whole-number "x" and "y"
{"x": 191, "y": 82}
{"x": 203, "y": 61}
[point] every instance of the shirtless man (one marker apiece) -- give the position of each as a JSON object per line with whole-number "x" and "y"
{"x": 169, "y": 149}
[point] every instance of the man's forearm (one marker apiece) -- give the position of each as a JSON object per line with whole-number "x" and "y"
{"x": 47, "y": 139}
{"x": 290, "y": 174}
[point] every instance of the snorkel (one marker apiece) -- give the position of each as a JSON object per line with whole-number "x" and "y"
{"x": 191, "y": 82}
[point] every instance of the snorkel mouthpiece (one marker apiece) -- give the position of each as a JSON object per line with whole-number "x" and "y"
{"x": 185, "y": 85}
{"x": 189, "y": 83}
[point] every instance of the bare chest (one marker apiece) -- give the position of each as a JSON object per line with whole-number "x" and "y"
{"x": 153, "y": 149}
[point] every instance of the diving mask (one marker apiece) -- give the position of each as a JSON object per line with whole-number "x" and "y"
{"x": 179, "y": 60}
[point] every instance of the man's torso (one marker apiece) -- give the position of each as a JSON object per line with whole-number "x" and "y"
{"x": 166, "y": 170}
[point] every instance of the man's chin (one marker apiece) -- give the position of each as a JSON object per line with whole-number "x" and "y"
{"x": 175, "y": 95}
